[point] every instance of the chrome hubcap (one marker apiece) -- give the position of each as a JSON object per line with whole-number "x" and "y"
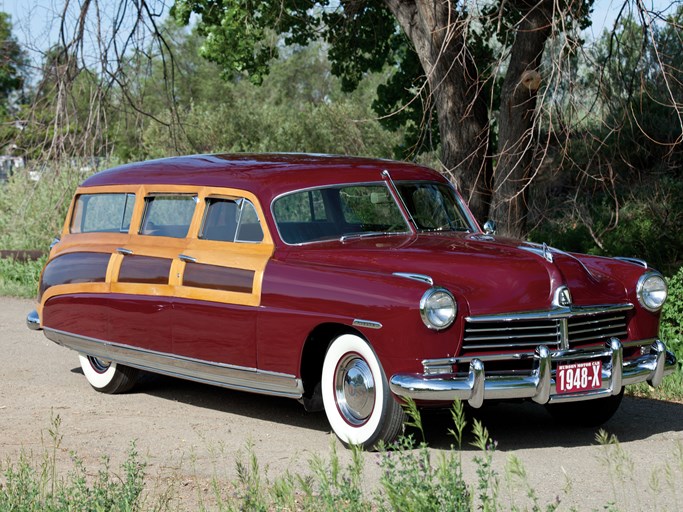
{"x": 354, "y": 389}
{"x": 99, "y": 365}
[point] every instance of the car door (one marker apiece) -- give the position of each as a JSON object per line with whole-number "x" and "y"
{"x": 144, "y": 269}
{"x": 221, "y": 270}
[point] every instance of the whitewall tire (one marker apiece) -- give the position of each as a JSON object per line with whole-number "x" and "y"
{"x": 107, "y": 376}
{"x": 358, "y": 403}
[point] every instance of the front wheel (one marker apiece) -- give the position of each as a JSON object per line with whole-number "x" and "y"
{"x": 107, "y": 376}
{"x": 359, "y": 406}
{"x": 589, "y": 413}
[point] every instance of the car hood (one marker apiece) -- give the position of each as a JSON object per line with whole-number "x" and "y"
{"x": 490, "y": 274}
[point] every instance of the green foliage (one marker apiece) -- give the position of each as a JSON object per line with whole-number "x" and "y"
{"x": 671, "y": 326}
{"x": 13, "y": 63}
{"x": 299, "y": 107}
{"x": 20, "y": 278}
{"x": 645, "y": 225}
{"x": 34, "y": 202}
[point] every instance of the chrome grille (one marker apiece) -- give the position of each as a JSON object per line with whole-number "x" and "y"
{"x": 511, "y": 334}
{"x": 557, "y": 329}
{"x": 596, "y": 327}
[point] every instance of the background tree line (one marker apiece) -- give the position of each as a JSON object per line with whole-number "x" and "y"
{"x": 572, "y": 142}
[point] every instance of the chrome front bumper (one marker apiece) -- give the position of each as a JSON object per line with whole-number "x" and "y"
{"x": 540, "y": 384}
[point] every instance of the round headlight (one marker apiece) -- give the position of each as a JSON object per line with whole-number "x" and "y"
{"x": 438, "y": 308}
{"x": 652, "y": 291}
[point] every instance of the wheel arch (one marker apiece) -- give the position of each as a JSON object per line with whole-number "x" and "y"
{"x": 312, "y": 357}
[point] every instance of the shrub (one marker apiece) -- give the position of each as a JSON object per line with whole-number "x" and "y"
{"x": 20, "y": 278}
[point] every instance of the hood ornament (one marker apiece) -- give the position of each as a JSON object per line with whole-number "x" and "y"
{"x": 563, "y": 297}
{"x": 541, "y": 250}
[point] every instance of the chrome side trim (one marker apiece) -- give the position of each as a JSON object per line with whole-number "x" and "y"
{"x": 539, "y": 385}
{"x": 366, "y": 323}
{"x": 415, "y": 277}
{"x": 217, "y": 374}
{"x": 552, "y": 314}
{"x": 33, "y": 321}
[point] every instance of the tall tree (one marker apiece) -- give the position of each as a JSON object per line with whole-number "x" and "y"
{"x": 453, "y": 45}
{"x": 13, "y": 63}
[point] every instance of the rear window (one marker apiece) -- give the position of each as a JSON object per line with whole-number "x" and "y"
{"x": 109, "y": 213}
{"x": 168, "y": 215}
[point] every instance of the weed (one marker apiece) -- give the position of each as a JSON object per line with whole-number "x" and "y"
{"x": 27, "y": 487}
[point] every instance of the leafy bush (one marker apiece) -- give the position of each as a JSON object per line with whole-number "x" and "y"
{"x": 34, "y": 202}
{"x": 672, "y": 314}
{"x": 20, "y": 278}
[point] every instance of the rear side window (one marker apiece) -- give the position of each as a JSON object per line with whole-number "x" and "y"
{"x": 168, "y": 215}
{"x": 231, "y": 220}
{"x": 109, "y": 213}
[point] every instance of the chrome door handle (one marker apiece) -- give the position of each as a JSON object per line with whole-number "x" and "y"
{"x": 125, "y": 252}
{"x": 186, "y": 258}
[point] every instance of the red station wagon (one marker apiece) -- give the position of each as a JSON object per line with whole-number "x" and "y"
{"x": 348, "y": 284}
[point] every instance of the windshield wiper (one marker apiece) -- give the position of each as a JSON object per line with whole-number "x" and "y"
{"x": 458, "y": 229}
{"x": 368, "y": 234}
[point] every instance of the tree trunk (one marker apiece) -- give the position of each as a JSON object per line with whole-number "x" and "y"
{"x": 514, "y": 170}
{"x": 436, "y": 30}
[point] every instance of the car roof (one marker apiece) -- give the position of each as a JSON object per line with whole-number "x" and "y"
{"x": 267, "y": 174}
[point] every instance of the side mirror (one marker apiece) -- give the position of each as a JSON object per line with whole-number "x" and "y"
{"x": 490, "y": 227}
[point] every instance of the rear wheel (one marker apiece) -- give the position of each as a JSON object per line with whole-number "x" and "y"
{"x": 356, "y": 396}
{"x": 107, "y": 376}
{"x": 589, "y": 413}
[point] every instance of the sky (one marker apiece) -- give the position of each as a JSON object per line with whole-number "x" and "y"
{"x": 35, "y": 22}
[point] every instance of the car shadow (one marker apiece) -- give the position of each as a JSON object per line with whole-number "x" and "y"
{"x": 253, "y": 405}
{"x": 529, "y": 425}
{"x": 512, "y": 425}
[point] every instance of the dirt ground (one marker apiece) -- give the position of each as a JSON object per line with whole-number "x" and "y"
{"x": 190, "y": 433}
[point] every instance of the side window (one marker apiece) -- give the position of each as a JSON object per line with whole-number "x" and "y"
{"x": 306, "y": 206}
{"x": 102, "y": 213}
{"x": 220, "y": 220}
{"x": 231, "y": 220}
{"x": 168, "y": 215}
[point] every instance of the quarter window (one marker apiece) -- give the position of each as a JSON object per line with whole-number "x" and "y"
{"x": 109, "y": 213}
{"x": 168, "y": 215}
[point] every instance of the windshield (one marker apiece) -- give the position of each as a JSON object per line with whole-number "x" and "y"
{"x": 360, "y": 210}
{"x": 342, "y": 211}
{"x": 433, "y": 206}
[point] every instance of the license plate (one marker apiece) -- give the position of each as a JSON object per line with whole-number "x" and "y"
{"x": 577, "y": 377}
